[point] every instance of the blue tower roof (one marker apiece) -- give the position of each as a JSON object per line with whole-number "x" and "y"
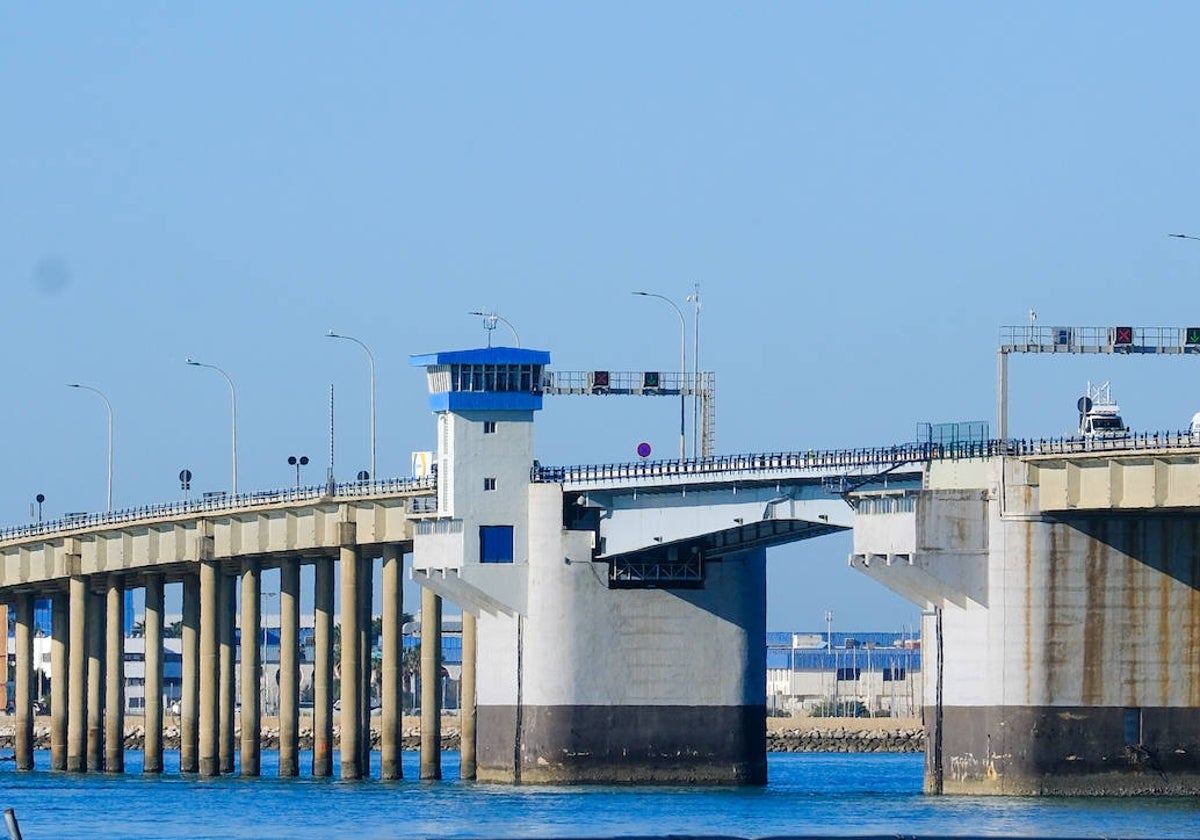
{"x": 484, "y": 379}
{"x": 482, "y": 356}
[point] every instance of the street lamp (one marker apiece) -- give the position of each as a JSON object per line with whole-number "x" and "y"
{"x": 489, "y": 324}
{"x": 682, "y": 368}
{"x": 694, "y": 299}
{"x": 371, "y": 362}
{"x": 298, "y": 463}
{"x": 108, "y": 406}
{"x": 233, "y": 404}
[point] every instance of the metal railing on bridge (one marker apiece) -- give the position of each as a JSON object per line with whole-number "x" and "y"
{"x": 222, "y": 502}
{"x": 880, "y": 458}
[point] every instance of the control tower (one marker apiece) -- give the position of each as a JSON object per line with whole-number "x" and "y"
{"x": 581, "y": 680}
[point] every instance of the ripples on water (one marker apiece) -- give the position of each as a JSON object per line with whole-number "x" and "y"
{"x": 809, "y": 794}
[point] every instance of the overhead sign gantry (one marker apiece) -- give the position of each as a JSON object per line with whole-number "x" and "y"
{"x": 1119, "y": 340}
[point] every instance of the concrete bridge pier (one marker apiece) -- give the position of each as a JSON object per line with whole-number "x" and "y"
{"x": 599, "y": 684}
{"x": 114, "y": 671}
{"x": 390, "y": 745}
{"x": 189, "y": 701}
{"x": 95, "y": 680}
{"x": 431, "y": 685}
{"x": 251, "y": 669}
{"x": 152, "y": 758}
{"x": 60, "y": 628}
{"x": 322, "y": 758}
{"x": 23, "y": 703}
{"x": 289, "y": 667}
{"x": 227, "y": 680}
{"x": 466, "y": 704}
{"x": 209, "y": 628}
{"x": 77, "y": 659}
{"x": 351, "y": 660}
{"x": 365, "y": 595}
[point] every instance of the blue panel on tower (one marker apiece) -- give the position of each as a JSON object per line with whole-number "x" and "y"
{"x": 484, "y": 401}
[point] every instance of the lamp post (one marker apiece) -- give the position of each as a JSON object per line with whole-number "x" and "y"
{"x": 489, "y": 324}
{"x": 233, "y": 404}
{"x": 108, "y": 406}
{"x": 682, "y": 368}
{"x": 297, "y": 463}
{"x": 694, "y": 299}
{"x": 371, "y": 363}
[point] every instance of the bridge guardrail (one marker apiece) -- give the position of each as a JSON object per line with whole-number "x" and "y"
{"x": 879, "y": 458}
{"x": 218, "y": 503}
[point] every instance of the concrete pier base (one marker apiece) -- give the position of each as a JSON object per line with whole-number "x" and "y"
{"x": 77, "y": 657}
{"x": 1068, "y": 751}
{"x": 23, "y": 702}
{"x": 209, "y": 701}
{"x": 227, "y": 680}
{"x": 95, "y": 681}
{"x": 152, "y": 758}
{"x": 431, "y": 685}
{"x": 467, "y": 716}
{"x": 189, "y": 702}
{"x": 289, "y": 668}
{"x": 322, "y": 757}
{"x": 392, "y": 641}
{"x": 60, "y": 631}
{"x": 251, "y": 669}
{"x": 114, "y": 677}
{"x": 353, "y": 766}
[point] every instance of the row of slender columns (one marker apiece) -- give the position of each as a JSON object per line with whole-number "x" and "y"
{"x": 87, "y": 664}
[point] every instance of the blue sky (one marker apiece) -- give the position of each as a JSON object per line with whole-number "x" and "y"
{"x": 865, "y": 192}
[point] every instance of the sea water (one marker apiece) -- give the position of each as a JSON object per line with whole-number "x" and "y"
{"x": 809, "y": 794}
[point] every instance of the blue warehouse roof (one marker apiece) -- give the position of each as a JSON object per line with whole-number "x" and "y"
{"x": 482, "y": 356}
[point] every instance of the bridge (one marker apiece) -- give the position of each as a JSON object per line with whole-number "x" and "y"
{"x": 614, "y": 614}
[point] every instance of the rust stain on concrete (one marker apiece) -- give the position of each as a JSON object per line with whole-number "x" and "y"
{"x": 1094, "y": 571}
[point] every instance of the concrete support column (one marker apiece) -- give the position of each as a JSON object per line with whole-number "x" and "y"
{"x": 4, "y": 698}
{"x": 227, "y": 749}
{"x": 289, "y": 668}
{"x": 60, "y": 629}
{"x": 431, "y": 684}
{"x": 23, "y": 680}
{"x": 323, "y": 668}
{"x": 466, "y": 702}
{"x": 365, "y": 589}
{"x": 189, "y": 700}
{"x": 210, "y": 668}
{"x": 114, "y": 673}
{"x": 152, "y": 761}
{"x": 95, "y": 682}
{"x": 77, "y": 593}
{"x": 390, "y": 744}
{"x": 251, "y": 667}
{"x": 351, "y": 677}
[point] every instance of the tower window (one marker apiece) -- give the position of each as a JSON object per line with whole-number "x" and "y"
{"x": 489, "y": 427}
{"x": 489, "y": 484}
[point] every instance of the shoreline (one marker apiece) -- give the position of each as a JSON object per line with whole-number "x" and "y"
{"x": 839, "y": 735}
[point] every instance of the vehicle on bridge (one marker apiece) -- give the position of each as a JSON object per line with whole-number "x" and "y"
{"x": 1099, "y": 416}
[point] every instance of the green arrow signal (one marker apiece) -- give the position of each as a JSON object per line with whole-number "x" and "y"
{"x": 1193, "y": 335}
